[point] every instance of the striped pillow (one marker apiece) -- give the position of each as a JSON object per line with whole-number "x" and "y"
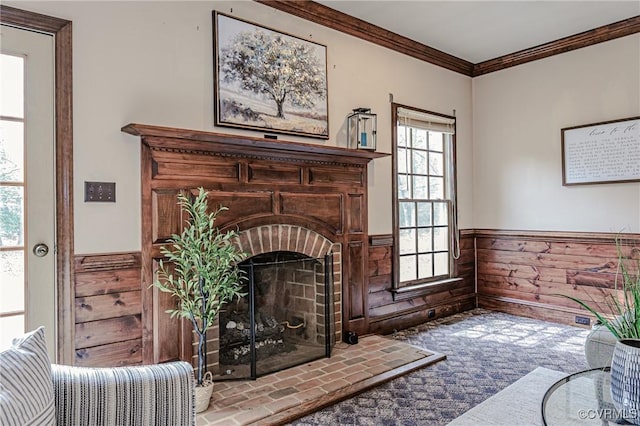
{"x": 26, "y": 388}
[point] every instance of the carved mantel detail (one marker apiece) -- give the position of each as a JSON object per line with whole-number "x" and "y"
{"x": 175, "y": 140}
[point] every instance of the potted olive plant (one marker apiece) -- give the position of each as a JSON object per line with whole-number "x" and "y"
{"x": 203, "y": 276}
{"x": 623, "y": 321}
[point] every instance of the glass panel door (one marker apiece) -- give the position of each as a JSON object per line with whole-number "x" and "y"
{"x": 27, "y": 185}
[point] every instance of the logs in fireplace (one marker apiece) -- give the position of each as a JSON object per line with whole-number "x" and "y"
{"x": 235, "y": 338}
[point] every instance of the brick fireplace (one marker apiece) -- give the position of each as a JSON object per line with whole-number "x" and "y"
{"x": 281, "y": 196}
{"x": 295, "y": 239}
{"x": 287, "y": 266}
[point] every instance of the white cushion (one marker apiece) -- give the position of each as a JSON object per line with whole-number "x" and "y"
{"x": 26, "y": 388}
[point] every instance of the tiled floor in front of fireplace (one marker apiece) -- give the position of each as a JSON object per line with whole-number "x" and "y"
{"x": 281, "y": 397}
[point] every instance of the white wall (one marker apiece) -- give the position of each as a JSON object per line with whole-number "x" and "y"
{"x": 151, "y": 63}
{"x": 517, "y": 117}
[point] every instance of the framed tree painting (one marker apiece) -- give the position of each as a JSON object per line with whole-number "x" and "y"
{"x": 268, "y": 81}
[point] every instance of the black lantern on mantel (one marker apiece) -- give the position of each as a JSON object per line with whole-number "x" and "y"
{"x": 361, "y": 129}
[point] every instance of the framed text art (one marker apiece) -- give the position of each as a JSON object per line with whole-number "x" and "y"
{"x": 606, "y": 152}
{"x": 267, "y": 80}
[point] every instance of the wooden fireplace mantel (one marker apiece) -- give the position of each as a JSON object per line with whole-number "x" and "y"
{"x": 197, "y": 141}
{"x": 265, "y": 184}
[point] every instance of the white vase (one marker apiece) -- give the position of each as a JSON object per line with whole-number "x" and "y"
{"x": 625, "y": 379}
{"x": 203, "y": 393}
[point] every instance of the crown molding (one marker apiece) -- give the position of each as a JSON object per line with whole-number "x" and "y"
{"x": 587, "y": 38}
{"x": 331, "y": 18}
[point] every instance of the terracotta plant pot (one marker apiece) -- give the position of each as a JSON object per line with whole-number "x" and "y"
{"x": 625, "y": 379}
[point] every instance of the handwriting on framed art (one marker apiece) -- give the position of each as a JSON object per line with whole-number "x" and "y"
{"x": 607, "y": 152}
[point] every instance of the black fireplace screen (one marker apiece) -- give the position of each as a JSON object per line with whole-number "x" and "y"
{"x": 284, "y": 320}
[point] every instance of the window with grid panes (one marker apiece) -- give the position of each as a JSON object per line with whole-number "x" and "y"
{"x": 423, "y": 196}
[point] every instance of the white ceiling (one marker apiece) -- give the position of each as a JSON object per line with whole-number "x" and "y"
{"x": 480, "y": 30}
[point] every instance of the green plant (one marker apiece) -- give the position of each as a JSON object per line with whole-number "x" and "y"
{"x": 205, "y": 274}
{"x": 623, "y": 320}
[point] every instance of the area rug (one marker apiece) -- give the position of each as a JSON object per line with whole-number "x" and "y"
{"x": 517, "y": 404}
{"x": 486, "y": 352}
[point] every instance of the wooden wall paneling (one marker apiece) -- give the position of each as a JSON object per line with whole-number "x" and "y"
{"x": 107, "y": 309}
{"x": 354, "y": 296}
{"x": 269, "y": 173}
{"x": 167, "y": 330}
{"x": 167, "y": 216}
{"x": 165, "y": 338}
{"x": 106, "y": 262}
{"x": 326, "y": 208}
{"x": 387, "y": 314}
{"x": 146, "y": 255}
{"x": 166, "y": 166}
{"x": 353, "y": 176}
{"x": 379, "y": 294}
{"x": 105, "y": 282}
{"x": 111, "y": 355}
{"x": 465, "y": 266}
{"x": 93, "y": 308}
{"x": 430, "y": 298}
{"x": 250, "y": 203}
{"x": 402, "y": 320}
{"x": 543, "y": 312}
{"x": 527, "y": 271}
{"x": 380, "y": 269}
{"x": 548, "y": 260}
{"x": 102, "y": 332}
{"x": 355, "y": 219}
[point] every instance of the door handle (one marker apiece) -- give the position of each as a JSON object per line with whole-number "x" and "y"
{"x": 41, "y": 250}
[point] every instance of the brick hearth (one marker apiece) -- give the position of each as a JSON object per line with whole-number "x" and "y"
{"x": 281, "y": 397}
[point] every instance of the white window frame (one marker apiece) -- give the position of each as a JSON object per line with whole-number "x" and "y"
{"x": 424, "y": 248}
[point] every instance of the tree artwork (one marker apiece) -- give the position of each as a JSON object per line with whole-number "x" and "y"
{"x": 270, "y": 80}
{"x": 281, "y": 68}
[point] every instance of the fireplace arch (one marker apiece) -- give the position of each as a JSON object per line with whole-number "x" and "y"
{"x": 284, "y": 237}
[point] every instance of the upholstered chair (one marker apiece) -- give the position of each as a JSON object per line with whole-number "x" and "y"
{"x": 32, "y": 391}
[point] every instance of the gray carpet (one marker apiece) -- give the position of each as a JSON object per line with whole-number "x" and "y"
{"x": 519, "y": 403}
{"x": 486, "y": 352}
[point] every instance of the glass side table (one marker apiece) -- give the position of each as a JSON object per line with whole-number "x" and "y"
{"x": 582, "y": 398}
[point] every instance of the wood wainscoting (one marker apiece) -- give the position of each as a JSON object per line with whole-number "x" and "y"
{"x": 387, "y": 314}
{"x": 108, "y": 302}
{"x": 523, "y": 272}
{"x": 108, "y": 310}
{"x": 518, "y": 272}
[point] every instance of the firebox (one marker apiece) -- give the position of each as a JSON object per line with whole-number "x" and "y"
{"x": 284, "y": 319}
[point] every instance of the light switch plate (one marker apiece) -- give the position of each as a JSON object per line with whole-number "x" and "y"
{"x": 100, "y": 191}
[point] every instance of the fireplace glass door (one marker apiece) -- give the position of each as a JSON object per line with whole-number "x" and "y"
{"x": 283, "y": 320}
